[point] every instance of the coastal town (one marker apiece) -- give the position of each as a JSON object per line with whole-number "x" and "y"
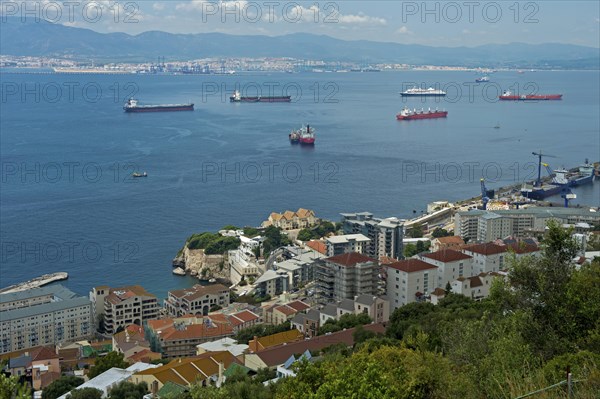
{"x": 270, "y": 296}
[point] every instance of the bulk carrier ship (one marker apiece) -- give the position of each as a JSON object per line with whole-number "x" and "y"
{"x": 132, "y": 106}
{"x": 509, "y": 96}
{"x": 238, "y": 98}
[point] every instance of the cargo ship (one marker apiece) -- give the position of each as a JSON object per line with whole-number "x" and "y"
{"x": 132, "y": 106}
{"x": 509, "y": 96}
{"x": 406, "y": 114}
{"x": 584, "y": 175}
{"x": 418, "y": 92}
{"x": 541, "y": 191}
{"x": 307, "y": 135}
{"x": 238, "y": 98}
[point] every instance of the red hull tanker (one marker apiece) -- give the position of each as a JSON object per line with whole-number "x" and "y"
{"x": 406, "y": 114}
{"x": 132, "y": 106}
{"x": 508, "y": 96}
{"x": 307, "y": 136}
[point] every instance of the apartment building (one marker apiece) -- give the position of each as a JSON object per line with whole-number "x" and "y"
{"x": 491, "y": 257}
{"x": 346, "y": 276}
{"x": 43, "y": 316}
{"x": 450, "y": 265}
{"x": 385, "y": 234}
{"x": 120, "y": 307}
{"x": 337, "y": 245}
{"x": 271, "y": 283}
{"x": 197, "y": 300}
{"x": 289, "y": 220}
{"x": 409, "y": 280}
{"x": 485, "y": 225}
{"x": 179, "y": 337}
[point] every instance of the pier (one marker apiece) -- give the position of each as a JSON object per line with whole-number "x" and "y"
{"x": 36, "y": 282}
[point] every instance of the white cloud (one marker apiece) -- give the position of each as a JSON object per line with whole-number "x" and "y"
{"x": 360, "y": 19}
{"x": 403, "y": 30}
{"x": 158, "y": 6}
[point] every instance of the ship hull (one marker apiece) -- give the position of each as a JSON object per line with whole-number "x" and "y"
{"x": 581, "y": 181}
{"x": 532, "y": 97}
{"x": 307, "y": 141}
{"x": 423, "y": 94}
{"x": 282, "y": 99}
{"x": 160, "y": 108}
{"x": 431, "y": 115}
{"x": 541, "y": 193}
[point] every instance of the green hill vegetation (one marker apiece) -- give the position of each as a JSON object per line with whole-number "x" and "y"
{"x": 544, "y": 318}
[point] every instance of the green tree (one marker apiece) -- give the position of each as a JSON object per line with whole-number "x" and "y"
{"x": 410, "y": 250}
{"x": 416, "y": 231}
{"x": 360, "y": 335}
{"x": 87, "y": 393}
{"x": 61, "y": 386}
{"x": 11, "y": 388}
{"x": 420, "y": 247}
{"x": 305, "y": 235}
{"x": 439, "y": 232}
{"x": 539, "y": 286}
{"x": 230, "y": 227}
{"x": 129, "y": 390}
{"x": 112, "y": 359}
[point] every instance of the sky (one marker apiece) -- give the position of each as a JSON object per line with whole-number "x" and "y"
{"x": 434, "y": 23}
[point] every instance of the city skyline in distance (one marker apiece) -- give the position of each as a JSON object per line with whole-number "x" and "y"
{"x": 438, "y": 24}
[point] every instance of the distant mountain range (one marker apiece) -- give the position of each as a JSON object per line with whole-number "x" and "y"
{"x": 48, "y": 39}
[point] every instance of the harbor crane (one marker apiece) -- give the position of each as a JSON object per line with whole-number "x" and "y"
{"x": 484, "y": 197}
{"x": 568, "y": 195}
{"x": 538, "y": 183}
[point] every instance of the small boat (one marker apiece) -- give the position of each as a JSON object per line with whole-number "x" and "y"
{"x": 294, "y": 136}
{"x": 497, "y": 126}
{"x": 482, "y": 79}
{"x": 179, "y": 271}
{"x": 137, "y": 174}
{"x": 212, "y": 280}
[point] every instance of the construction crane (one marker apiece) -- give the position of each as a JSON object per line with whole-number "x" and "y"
{"x": 484, "y": 197}
{"x": 538, "y": 183}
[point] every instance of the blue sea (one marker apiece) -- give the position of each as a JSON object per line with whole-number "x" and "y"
{"x": 68, "y": 202}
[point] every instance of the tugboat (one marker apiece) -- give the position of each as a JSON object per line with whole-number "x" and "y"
{"x": 307, "y": 136}
{"x": 406, "y": 114}
{"x": 137, "y": 174}
{"x": 132, "y": 106}
{"x": 295, "y": 136}
{"x": 238, "y": 98}
{"x": 507, "y": 95}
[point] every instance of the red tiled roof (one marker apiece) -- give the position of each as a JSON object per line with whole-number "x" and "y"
{"x": 485, "y": 249}
{"x": 43, "y": 353}
{"x": 450, "y": 240}
{"x": 277, "y": 355}
{"x": 411, "y": 265}
{"x": 318, "y": 246}
{"x": 475, "y": 282}
{"x": 286, "y": 310}
{"x": 196, "y": 331}
{"x": 447, "y": 255}
{"x": 350, "y": 259}
{"x": 298, "y": 305}
{"x": 246, "y": 316}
